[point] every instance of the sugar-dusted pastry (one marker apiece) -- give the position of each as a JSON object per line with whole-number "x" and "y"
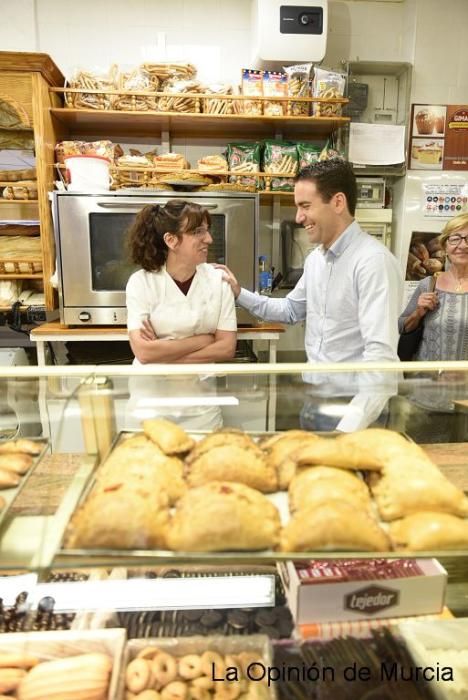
{"x": 335, "y": 525}
{"x": 279, "y": 449}
{"x": 317, "y": 485}
{"x": 170, "y": 437}
{"x": 8, "y": 479}
{"x": 221, "y": 438}
{"x": 29, "y": 447}
{"x": 17, "y": 462}
{"x": 425, "y": 531}
{"x": 223, "y": 515}
{"x": 120, "y": 517}
{"x": 233, "y": 463}
{"x": 403, "y": 492}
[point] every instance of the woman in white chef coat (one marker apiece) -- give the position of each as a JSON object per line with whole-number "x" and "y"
{"x": 179, "y": 310}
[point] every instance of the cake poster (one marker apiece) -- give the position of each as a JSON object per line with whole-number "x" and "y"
{"x": 456, "y": 138}
{"x": 439, "y": 137}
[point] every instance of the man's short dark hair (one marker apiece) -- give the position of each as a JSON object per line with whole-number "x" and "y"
{"x": 332, "y": 176}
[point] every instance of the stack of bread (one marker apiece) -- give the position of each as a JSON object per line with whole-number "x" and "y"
{"x": 16, "y": 458}
{"x": 367, "y": 491}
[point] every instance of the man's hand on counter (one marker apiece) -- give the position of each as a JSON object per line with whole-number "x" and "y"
{"x": 230, "y": 278}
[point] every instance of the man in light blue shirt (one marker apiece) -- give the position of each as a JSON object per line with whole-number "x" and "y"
{"x": 350, "y": 292}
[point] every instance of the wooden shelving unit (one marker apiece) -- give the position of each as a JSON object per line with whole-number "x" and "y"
{"x": 26, "y": 79}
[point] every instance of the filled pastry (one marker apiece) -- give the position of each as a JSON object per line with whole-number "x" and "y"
{"x": 120, "y": 517}
{"x": 425, "y": 531}
{"x": 378, "y": 446}
{"x": 168, "y": 436}
{"x": 279, "y": 449}
{"x": 222, "y": 438}
{"x": 223, "y": 515}
{"x": 29, "y": 447}
{"x": 17, "y": 462}
{"x": 233, "y": 463}
{"x": 8, "y": 479}
{"x": 335, "y": 453}
{"x": 401, "y": 492}
{"x": 335, "y": 525}
{"x": 317, "y": 485}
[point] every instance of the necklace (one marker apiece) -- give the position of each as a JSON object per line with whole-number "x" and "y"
{"x": 459, "y": 281}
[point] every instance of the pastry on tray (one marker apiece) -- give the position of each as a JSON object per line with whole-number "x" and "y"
{"x": 221, "y": 438}
{"x": 316, "y": 485}
{"x": 168, "y": 436}
{"x": 30, "y": 447}
{"x": 8, "y": 479}
{"x": 223, "y": 515}
{"x": 18, "y": 462}
{"x": 425, "y": 531}
{"x": 232, "y": 462}
{"x": 333, "y": 453}
{"x": 403, "y": 492}
{"x": 335, "y": 525}
{"x": 279, "y": 449}
{"x": 120, "y": 517}
{"x": 378, "y": 446}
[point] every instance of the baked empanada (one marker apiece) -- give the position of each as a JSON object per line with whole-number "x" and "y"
{"x": 279, "y": 450}
{"x": 400, "y": 493}
{"x": 335, "y": 525}
{"x": 424, "y": 531}
{"x": 17, "y": 462}
{"x": 334, "y": 453}
{"x": 317, "y": 485}
{"x": 374, "y": 447}
{"x": 168, "y": 436}
{"x": 123, "y": 517}
{"x": 221, "y": 438}
{"x": 8, "y": 479}
{"x": 223, "y": 516}
{"x": 29, "y": 447}
{"x": 233, "y": 463}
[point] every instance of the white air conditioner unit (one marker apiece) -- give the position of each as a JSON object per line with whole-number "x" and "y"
{"x": 287, "y": 31}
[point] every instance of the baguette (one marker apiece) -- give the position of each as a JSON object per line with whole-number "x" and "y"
{"x": 16, "y": 462}
{"x": 29, "y": 447}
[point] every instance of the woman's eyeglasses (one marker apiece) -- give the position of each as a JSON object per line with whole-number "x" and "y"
{"x": 456, "y": 239}
{"x": 200, "y": 232}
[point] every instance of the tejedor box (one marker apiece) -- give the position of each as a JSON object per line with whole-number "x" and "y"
{"x": 332, "y": 590}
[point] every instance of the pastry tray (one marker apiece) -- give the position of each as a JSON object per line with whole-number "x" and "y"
{"x": 9, "y": 495}
{"x": 112, "y": 557}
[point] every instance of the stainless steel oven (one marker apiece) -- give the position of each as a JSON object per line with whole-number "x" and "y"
{"x": 92, "y": 262}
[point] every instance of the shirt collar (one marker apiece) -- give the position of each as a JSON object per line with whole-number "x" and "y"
{"x": 344, "y": 240}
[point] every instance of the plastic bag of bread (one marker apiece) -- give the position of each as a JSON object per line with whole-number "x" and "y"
{"x": 299, "y": 86}
{"x": 92, "y": 80}
{"x": 212, "y": 164}
{"x": 275, "y": 85}
{"x": 327, "y": 85}
{"x": 169, "y": 162}
{"x": 137, "y": 80}
{"x": 280, "y": 158}
{"x": 252, "y": 85}
{"x": 244, "y": 158}
{"x": 216, "y": 104}
{"x": 175, "y": 99}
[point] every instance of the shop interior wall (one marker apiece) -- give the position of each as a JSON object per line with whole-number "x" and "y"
{"x": 215, "y": 35}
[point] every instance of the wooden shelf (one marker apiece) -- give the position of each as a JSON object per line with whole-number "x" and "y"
{"x": 113, "y": 122}
{"x": 17, "y": 201}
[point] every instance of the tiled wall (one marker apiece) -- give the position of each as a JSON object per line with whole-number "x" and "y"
{"x": 215, "y": 35}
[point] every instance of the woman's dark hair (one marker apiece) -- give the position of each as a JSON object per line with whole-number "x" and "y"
{"x": 332, "y": 176}
{"x": 145, "y": 238}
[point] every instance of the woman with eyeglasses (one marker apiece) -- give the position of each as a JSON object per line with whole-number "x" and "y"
{"x": 430, "y": 409}
{"x": 444, "y": 310}
{"x": 179, "y": 308}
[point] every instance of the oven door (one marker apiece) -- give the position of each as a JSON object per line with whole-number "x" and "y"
{"x": 93, "y": 260}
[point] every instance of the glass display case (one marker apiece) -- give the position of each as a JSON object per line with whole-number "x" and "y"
{"x": 155, "y": 499}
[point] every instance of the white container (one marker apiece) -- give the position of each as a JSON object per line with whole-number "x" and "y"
{"x": 88, "y": 173}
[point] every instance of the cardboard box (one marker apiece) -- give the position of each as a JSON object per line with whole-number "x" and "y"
{"x": 335, "y": 590}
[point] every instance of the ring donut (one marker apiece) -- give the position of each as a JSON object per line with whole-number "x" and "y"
{"x": 190, "y": 666}
{"x": 148, "y": 695}
{"x": 210, "y": 659}
{"x": 148, "y": 652}
{"x": 204, "y": 682}
{"x": 138, "y": 675}
{"x": 177, "y": 690}
{"x": 164, "y": 669}
{"x": 229, "y": 690}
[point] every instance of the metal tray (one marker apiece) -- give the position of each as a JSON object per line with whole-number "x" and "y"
{"x": 10, "y": 494}
{"x": 112, "y": 557}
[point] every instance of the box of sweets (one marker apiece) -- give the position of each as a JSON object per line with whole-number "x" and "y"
{"x": 357, "y": 589}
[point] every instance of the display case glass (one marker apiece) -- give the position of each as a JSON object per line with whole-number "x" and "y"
{"x": 81, "y": 422}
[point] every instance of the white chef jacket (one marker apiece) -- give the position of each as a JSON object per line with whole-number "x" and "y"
{"x": 350, "y": 298}
{"x": 207, "y": 307}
